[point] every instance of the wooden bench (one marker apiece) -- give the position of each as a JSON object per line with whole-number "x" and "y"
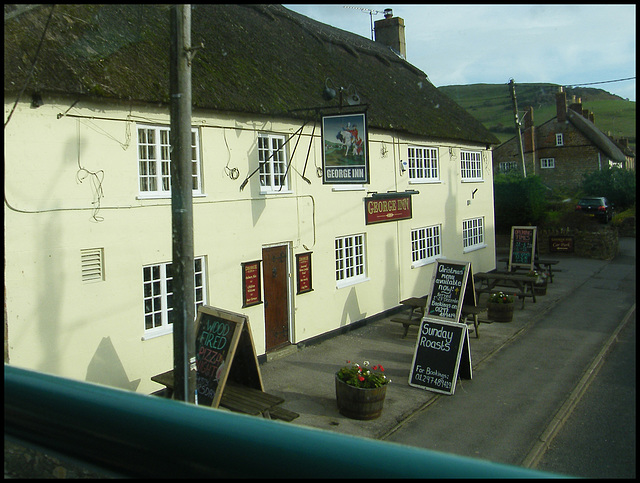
{"x": 545, "y": 264}
{"x": 237, "y": 398}
{"x": 472, "y": 311}
{"x": 416, "y": 306}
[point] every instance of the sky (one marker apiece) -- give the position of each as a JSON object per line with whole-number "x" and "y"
{"x": 567, "y": 45}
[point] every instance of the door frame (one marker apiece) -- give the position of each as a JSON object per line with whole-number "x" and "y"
{"x": 290, "y": 291}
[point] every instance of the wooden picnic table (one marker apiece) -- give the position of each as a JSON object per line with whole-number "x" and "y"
{"x": 545, "y": 264}
{"x": 508, "y": 282}
{"x": 417, "y": 306}
{"x": 239, "y": 398}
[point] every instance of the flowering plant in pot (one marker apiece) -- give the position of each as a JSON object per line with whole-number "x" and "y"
{"x": 500, "y": 307}
{"x": 500, "y": 298}
{"x": 361, "y": 376}
{"x": 360, "y": 390}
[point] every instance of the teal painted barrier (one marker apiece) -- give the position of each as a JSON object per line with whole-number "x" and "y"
{"x": 146, "y": 436}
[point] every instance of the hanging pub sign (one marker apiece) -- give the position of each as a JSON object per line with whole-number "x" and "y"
{"x": 303, "y": 268}
{"x": 345, "y": 153}
{"x": 251, "y": 293}
{"x": 387, "y": 207}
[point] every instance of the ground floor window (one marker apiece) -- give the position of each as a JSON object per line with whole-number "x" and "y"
{"x": 350, "y": 259}
{"x": 425, "y": 245}
{"x": 473, "y": 233}
{"x": 158, "y": 295}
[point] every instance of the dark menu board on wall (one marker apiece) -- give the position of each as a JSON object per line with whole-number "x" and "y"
{"x": 523, "y": 246}
{"x": 436, "y": 359}
{"x": 218, "y": 334}
{"x": 447, "y": 290}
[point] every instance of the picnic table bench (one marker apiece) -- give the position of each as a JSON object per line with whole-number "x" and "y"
{"x": 240, "y": 399}
{"x": 545, "y": 264}
{"x": 417, "y": 306}
{"x": 521, "y": 286}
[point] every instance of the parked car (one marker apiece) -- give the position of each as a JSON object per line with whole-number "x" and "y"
{"x": 597, "y": 207}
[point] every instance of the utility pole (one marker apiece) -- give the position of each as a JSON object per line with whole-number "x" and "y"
{"x": 182, "y": 203}
{"x": 515, "y": 113}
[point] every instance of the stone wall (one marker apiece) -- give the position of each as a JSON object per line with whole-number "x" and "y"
{"x": 601, "y": 244}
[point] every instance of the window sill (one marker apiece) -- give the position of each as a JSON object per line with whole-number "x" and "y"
{"x": 422, "y": 263}
{"x": 152, "y": 334}
{"x": 165, "y": 196}
{"x": 425, "y": 181}
{"x": 474, "y": 248}
{"x": 472, "y": 180}
{"x": 352, "y": 281}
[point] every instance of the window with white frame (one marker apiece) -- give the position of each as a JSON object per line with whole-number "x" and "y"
{"x": 154, "y": 161}
{"x": 350, "y": 259}
{"x": 547, "y": 162}
{"x": 559, "y": 139}
{"x": 508, "y": 166}
{"x": 273, "y": 163}
{"x": 158, "y": 295}
{"x": 472, "y": 234}
{"x": 423, "y": 164}
{"x": 425, "y": 245}
{"x": 471, "y": 165}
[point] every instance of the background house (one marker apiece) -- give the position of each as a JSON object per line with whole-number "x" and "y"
{"x": 562, "y": 149}
{"x": 87, "y": 184}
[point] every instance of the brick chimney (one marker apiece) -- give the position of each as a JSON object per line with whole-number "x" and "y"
{"x": 561, "y": 105}
{"x": 529, "y": 132}
{"x": 390, "y": 32}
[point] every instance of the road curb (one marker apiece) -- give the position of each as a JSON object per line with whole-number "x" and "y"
{"x": 540, "y": 447}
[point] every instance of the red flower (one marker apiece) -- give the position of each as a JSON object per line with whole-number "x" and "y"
{"x": 360, "y": 378}
{"x": 381, "y": 368}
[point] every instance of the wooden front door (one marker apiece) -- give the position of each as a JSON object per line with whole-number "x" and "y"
{"x": 276, "y": 296}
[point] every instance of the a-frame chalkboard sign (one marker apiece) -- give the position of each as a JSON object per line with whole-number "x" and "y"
{"x": 522, "y": 249}
{"x": 448, "y": 286}
{"x": 224, "y": 350}
{"x": 442, "y": 350}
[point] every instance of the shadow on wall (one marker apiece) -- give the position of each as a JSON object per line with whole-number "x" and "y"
{"x": 106, "y": 368}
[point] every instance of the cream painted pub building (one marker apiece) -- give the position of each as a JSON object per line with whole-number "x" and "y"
{"x": 281, "y": 235}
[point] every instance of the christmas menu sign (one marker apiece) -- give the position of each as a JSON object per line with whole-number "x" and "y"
{"x": 448, "y": 286}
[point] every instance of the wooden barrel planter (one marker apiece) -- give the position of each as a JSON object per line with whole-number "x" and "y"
{"x": 500, "y": 312}
{"x": 540, "y": 288}
{"x": 359, "y": 403}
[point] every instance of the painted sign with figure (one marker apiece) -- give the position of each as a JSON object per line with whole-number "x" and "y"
{"x": 345, "y": 154}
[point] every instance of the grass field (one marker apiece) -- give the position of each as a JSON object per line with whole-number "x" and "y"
{"x": 492, "y": 105}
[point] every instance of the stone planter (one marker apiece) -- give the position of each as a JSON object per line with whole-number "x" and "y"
{"x": 358, "y": 403}
{"x": 500, "y": 312}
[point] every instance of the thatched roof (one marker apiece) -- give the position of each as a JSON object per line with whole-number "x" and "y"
{"x": 262, "y": 59}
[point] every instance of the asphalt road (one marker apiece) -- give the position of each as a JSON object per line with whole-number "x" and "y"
{"x": 515, "y": 395}
{"x": 598, "y": 440}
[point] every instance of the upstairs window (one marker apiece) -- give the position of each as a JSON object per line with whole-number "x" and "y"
{"x": 559, "y": 139}
{"x": 546, "y": 163}
{"x": 154, "y": 162}
{"x": 272, "y": 157}
{"x": 471, "y": 165}
{"x": 423, "y": 164}
{"x": 508, "y": 166}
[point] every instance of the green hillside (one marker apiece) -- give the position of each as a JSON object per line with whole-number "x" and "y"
{"x": 491, "y": 104}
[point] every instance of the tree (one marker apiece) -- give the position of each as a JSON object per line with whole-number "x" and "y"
{"x": 616, "y": 184}
{"x": 518, "y": 200}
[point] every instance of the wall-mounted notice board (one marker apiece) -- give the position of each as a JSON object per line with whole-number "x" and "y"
{"x": 224, "y": 348}
{"x": 522, "y": 249}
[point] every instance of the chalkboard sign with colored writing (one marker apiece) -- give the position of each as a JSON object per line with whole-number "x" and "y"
{"x": 523, "y": 246}
{"x": 436, "y": 359}
{"x": 448, "y": 286}
{"x": 223, "y": 337}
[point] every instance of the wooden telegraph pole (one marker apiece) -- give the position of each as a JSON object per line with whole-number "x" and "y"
{"x": 515, "y": 114}
{"x": 182, "y": 204}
